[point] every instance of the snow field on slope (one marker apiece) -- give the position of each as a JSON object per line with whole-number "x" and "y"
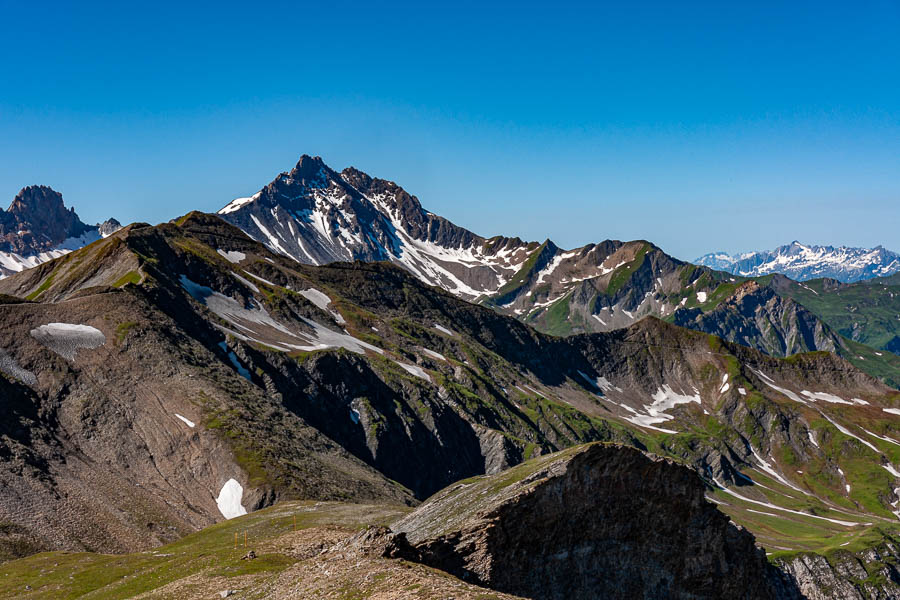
{"x": 322, "y": 301}
{"x": 414, "y": 370}
{"x": 17, "y": 262}
{"x": 665, "y": 398}
{"x": 433, "y": 354}
{"x": 66, "y": 339}
{"x": 232, "y": 256}
{"x": 253, "y": 322}
{"x": 9, "y": 366}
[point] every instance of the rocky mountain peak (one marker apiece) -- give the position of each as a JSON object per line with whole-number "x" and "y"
{"x": 316, "y": 215}
{"x": 357, "y": 178}
{"x": 38, "y": 220}
{"x": 308, "y": 168}
{"x": 109, "y": 227}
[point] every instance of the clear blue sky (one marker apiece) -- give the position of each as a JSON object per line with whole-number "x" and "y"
{"x": 698, "y": 126}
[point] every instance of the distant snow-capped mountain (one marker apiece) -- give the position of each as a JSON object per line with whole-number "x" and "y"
{"x": 801, "y": 262}
{"x": 38, "y": 227}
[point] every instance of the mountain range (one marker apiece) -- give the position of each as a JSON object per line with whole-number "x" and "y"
{"x": 801, "y": 262}
{"x": 328, "y": 348}
{"x": 165, "y": 377}
{"x": 316, "y": 215}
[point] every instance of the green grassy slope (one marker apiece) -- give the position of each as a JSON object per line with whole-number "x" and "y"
{"x": 868, "y": 313}
{"x": 210, "y": 554}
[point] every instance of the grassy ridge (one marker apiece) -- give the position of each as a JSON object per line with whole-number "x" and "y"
{"x": 864, "y": 312}
{"x": 210, "y": 553}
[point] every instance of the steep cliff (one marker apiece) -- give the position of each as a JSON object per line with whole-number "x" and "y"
{"x": 597, "y": 521}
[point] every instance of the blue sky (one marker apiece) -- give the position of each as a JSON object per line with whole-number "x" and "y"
{"x": 698, "y": 126}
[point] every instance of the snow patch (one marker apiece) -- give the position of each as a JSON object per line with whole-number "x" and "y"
{"x": 260, "y": 279}
{"x": 229, "y": 500}
{"x": 249, "y": 284}
{"x": 433, "y": 354}
{"x": 187, "y": 421}
{"x": 664, "y": 399}
{"x": 765, "y": 466}
{"x": 67, "y": 338}
{"x": 9, "y": 366}
{"x": 825, "y": 397}
{"x": 322, "y": 300}
{"x": 232, "y": 256}
{"x": 812, "y": 438}
{"x": 414, "y": 370}
{"x": 890, "y": 469}
{"x": 847, "y": 432}
{"x": 443, "y": 329}
{"x": 602, "y": 383}
{"x": 882, "y": 438}
{"x": 237, "y": 203}
{"x": 771, "y": 383}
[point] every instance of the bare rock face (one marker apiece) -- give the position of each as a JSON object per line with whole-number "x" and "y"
{"x": 869, "y": 574}
{"x": 759, "y": 318}
{"x": 37, "y": 220}
{"x": 109, "y": 227}
{"x": 596, "y": 521}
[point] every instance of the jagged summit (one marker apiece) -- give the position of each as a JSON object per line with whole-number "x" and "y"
{"x": 38, "y": 227}
{"x": 109, "y": 227}
{"x": 37, "y": 220}
{"x": 317, "y": 215}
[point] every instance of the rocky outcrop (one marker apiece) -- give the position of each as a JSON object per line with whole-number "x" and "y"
{"x": 109, "y": 227}
{"x": 757, "y": 317}
{"x": 597, "y": 521}
{"x": 37, "y": 220}
{"x": 870, "y": 574}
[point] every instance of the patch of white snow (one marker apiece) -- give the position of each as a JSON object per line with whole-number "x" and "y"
{"x": 229, "y": 500}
